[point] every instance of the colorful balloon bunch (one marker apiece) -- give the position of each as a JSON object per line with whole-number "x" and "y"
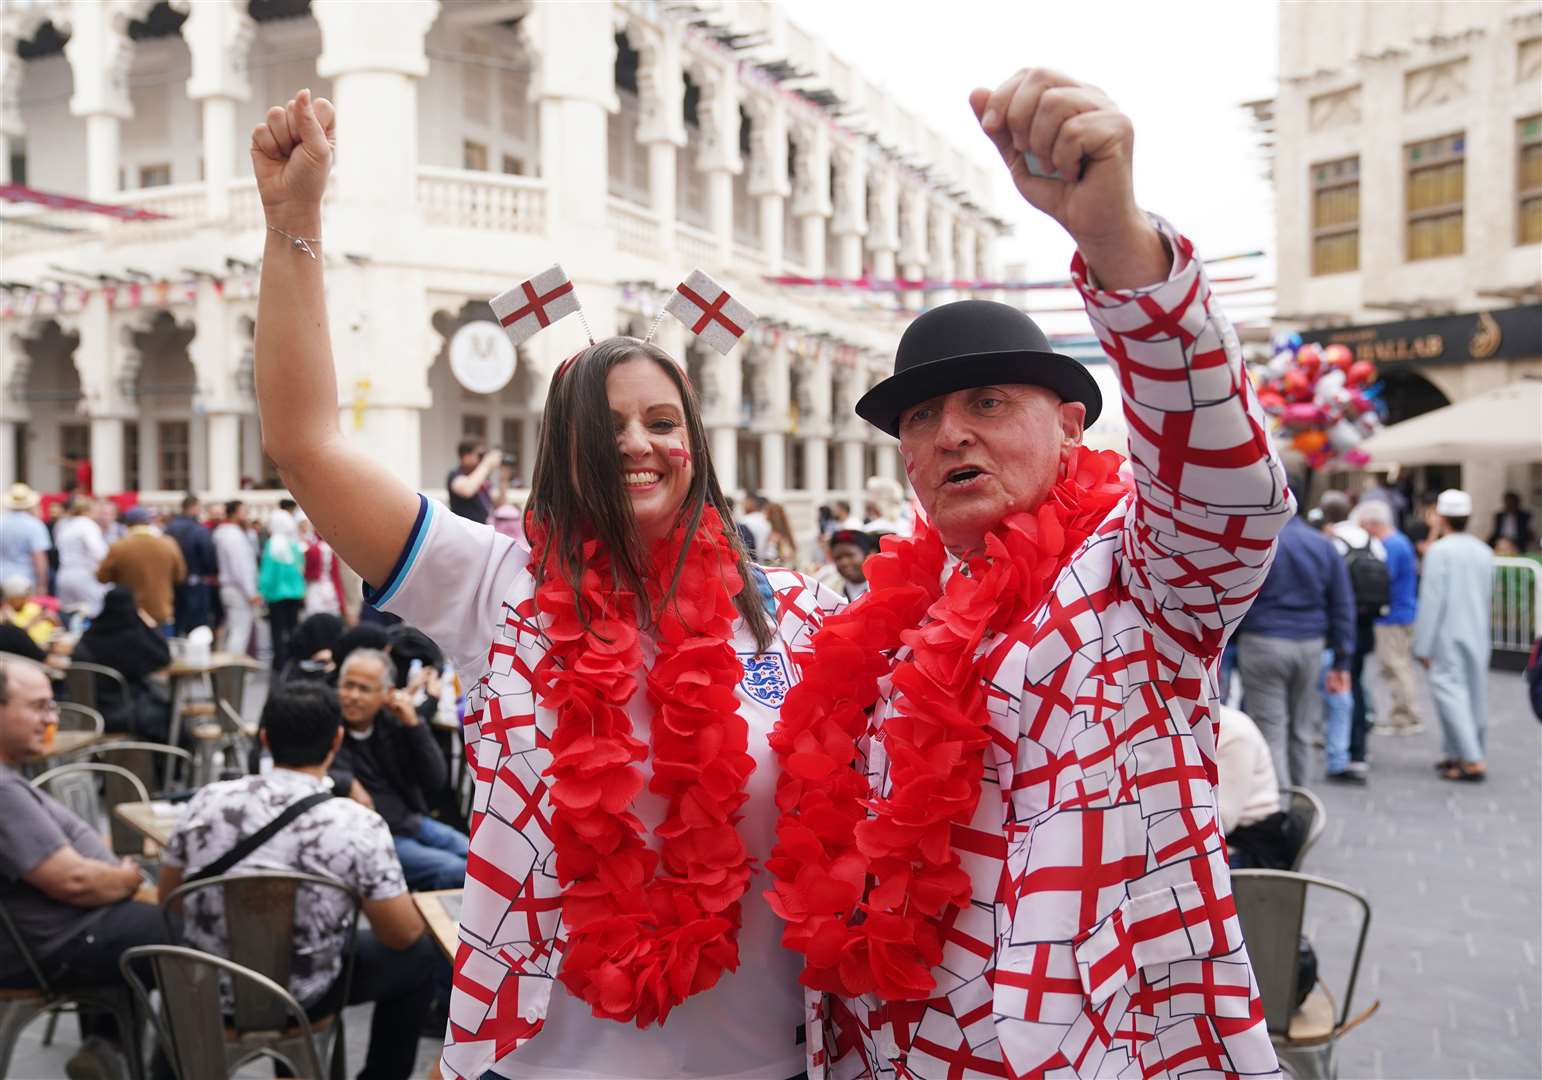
{"x": 1322, "y": 400}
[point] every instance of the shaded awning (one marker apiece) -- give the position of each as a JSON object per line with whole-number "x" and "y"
{"x": 1502, "y": 425}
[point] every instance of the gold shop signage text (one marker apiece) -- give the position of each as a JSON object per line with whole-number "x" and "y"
{"x": 1508, "y": 333}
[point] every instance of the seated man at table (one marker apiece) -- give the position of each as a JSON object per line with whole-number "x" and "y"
{"x": 66, "y": 893}
{"x": 391, "y": 761}
{"x": 395, "y": 960}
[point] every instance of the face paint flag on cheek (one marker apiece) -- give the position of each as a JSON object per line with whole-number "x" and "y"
{"x": 680, "y": 457}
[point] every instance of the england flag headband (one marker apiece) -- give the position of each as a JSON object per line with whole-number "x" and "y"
{"x": 705, "y": 307}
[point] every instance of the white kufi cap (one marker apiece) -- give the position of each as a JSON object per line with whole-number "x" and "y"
{"x": 1454, "y": 503}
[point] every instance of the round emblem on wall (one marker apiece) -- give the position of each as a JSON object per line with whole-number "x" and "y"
{"x": 482, "y": 357}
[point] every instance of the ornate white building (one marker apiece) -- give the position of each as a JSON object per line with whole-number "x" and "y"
{"x": 479, "y": 141}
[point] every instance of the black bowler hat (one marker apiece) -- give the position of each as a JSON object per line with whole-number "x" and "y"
{"x": 973, "y": 343}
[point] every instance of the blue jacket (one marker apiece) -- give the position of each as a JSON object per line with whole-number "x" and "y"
{"x": 197, "y": 546}
{"x": 1306, "y": 595}
{"x": 1403, "y": 572}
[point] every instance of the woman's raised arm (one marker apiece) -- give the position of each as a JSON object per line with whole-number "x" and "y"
{"x": 361, "y": 509}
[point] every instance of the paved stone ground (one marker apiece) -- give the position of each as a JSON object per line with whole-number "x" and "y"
{"x": 1452, "y": 873}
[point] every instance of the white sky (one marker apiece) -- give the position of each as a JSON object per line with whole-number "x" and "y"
{"x": 1180, "y": 70}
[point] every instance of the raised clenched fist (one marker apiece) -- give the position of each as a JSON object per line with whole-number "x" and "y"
{"x": 291, "y": 157}
{"x": 1078, "y": 136}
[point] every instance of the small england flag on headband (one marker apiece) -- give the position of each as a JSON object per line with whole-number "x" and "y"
{"x": 535, "y": 304}
{"x": 712, "y": 315}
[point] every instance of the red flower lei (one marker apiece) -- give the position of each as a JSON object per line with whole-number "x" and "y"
{"x": 647, "y": 929}
{"x": 829, "y": 847}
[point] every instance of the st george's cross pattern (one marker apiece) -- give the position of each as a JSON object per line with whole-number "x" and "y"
{"x": 1102, "y": 938}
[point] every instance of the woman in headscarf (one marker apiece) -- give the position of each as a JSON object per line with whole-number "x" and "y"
{"x": 310, "y": 649}
{"x": 323, "y": 574}
{"x": 281, "y": 578}
{"x": 125, "y": 638}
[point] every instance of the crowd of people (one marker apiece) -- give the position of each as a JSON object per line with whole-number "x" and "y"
{"x": 1362, "y": 579}
{"x": 213, "y": 566}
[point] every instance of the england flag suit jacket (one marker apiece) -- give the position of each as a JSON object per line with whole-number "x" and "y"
{"x": 1102, "y": 939}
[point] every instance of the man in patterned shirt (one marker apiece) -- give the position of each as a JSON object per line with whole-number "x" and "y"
{"x": 1102, "y": 937}
{"x": 395, "y": 960}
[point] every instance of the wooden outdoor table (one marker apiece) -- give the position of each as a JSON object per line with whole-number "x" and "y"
{"x": 441, "y": 910}
{"x": 180, "y": 669}
{"x": 155, "y": 821}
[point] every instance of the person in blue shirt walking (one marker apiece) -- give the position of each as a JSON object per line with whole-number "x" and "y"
{"x": 1305, "y": 606}
{"x": 24, "y": 539}
{"x": 1394, "y": 630}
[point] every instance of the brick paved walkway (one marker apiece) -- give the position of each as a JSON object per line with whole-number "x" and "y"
{"x": 1453, "y": 876}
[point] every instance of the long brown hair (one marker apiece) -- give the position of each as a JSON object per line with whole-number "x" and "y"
{"x": 577, "y": 491}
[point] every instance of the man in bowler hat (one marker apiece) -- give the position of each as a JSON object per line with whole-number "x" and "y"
{"x": 1101, "y": 937}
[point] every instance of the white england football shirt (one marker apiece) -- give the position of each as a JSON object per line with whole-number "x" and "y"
{"x": 470, "y": 589}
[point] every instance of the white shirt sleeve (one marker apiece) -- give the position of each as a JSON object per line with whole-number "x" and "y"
{"x": 450, "y": 581}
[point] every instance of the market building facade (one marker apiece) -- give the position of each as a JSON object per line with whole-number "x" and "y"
{"x": 478, "y": 143}
{"x": 1407, "y": 163}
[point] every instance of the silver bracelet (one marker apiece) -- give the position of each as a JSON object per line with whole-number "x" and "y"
{"x": 302, "y": 243}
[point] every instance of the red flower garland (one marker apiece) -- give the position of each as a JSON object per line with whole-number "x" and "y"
{"x": 830, "y": 850}
{"x": 647, "y": 929}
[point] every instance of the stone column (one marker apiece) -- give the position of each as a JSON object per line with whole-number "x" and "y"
{"x": 888, "y": 459}
{"x": 251, "y": 447}
{"x": 224, "y": 431}
{"x": 724, "y": 392}
{"x": 107, "y": 454}
{"x": 853, "y": 465}
{"x": 988, "y": 260}
{"x": 718, "y": 155}
{"x": 849, "y": 216}
{"x": 12, "y": 124}
{"x": 883, "y": 237}
{"x": 216, "y": 354}
{"x": 99, "y": 359}
{"x": 913, "y": 253}
{"x": 768, "y": 175}
{"x": 100, "y": 52}
{"x": 816, "y": 466}
{"x": 943, "y": 265}
{"x": 575, "y": 96}
{"x": 811, "y": 194}
{"x": 661, "y": 123}
{"x": 773, "y": 463}
{"x": 8, "y": 429}
{"x": 13, "y": 413}
{"x": 966, "y": 266}
{"x": 374, "y": 64}
{"x": 219, "y": 35}
{"x": 776, "y": 410}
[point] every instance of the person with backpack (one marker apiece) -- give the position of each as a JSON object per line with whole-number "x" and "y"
{"x": 1365, "y": 560}
{"x": 1298, "y": 633}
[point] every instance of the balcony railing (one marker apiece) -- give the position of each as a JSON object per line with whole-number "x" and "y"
{"x": 697, "y": 247}
{"x": 186, "y": 207}
{"x": 467, "y": 199}
{"x": 637, "y": 230}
